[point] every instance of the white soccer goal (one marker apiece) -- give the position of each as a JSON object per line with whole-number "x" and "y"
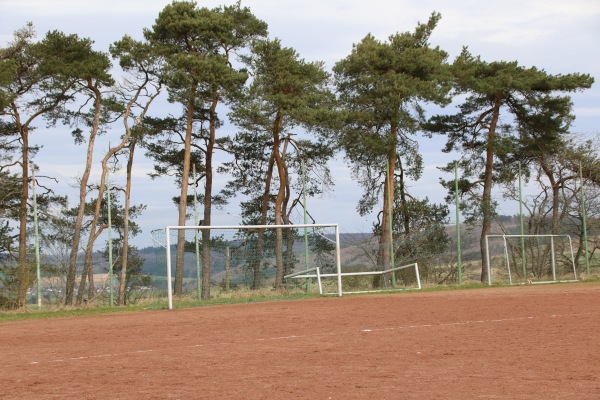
{"x": 319, "y": 276}
{"x": 536, "y": 258}
{"x": 362, "y": 271}
{"x": 245, "y": 247}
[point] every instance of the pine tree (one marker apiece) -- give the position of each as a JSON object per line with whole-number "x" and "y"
{"x": 380, "y": 85}
{"x": 494, "y": 90}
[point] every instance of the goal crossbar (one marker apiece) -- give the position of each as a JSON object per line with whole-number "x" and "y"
{"x": 168, "y": 230}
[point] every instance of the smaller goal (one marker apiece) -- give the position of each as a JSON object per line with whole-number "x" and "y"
{"x": 306, "y": 274}
{"x": 253, "y": 247}
{"x": 532, "y": 259}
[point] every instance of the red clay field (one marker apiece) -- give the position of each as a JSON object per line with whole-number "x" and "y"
{"x": 527, "y": 342}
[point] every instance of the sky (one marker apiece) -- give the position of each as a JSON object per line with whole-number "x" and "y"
{"x": 557, "y": 36}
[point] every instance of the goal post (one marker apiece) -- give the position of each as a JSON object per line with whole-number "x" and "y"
{"x": 242, "y": 237}
{"x": 543, "y": 252}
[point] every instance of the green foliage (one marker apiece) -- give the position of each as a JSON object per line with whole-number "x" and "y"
{"x": 11, "y": 280}
{"x": 323, "y": 249}
{"x": 196, "y": 43}
{"x": 282, "y": 82}
{"x": 10, "y": 191}
{"x": 419, "y": 231}
{"x": 534, "y": 120}
{"x": 8, "y": 70}
{"x": 539, "y": 119}
{"x": 509, "y": 115}
{"x": 286, "y": 92}
{"x": 41, "y": 79}
{"x": 135, "y": 280}
{"x": 380, "y": 85}
{"x": 19, "y": 68}
{"x": 67, "y": 58}
{"x": 40, "y": 76}
{"x": 163, "y": 140}
{"x": 137, "y": 57}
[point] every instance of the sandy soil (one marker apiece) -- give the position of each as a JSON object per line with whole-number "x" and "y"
{"x": 527, "y": 342}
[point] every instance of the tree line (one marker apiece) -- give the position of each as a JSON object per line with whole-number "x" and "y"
{"x": 219, "y": 65}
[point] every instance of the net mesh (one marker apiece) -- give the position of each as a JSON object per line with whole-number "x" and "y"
{"x": 249, "y": 258}
{"x": 531, "y": 259}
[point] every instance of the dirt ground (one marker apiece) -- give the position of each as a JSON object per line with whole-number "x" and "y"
{"x": 527, "y": 342}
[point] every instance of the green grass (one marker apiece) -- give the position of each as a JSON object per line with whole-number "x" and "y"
{"x": 32, "y": 312}
{"x": 234, "y": 297}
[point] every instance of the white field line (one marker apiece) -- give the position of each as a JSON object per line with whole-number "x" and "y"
{"x": 293, "y": 337}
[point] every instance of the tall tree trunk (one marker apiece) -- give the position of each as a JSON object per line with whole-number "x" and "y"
{"x": 88, "y": 269}
{"x": 486, "y": 205}
{"x": 185, "y": 175}
{"x": 95, "y": 231}
{"x": 384, "y": 255}
{"x": 555, "y": 194}
{"x": 403, "y": 202}
{"x": 23, "y": 275}
{"x": 124, "y": 261}
{"x": 87, "y": 273}
{"x": 72, "y": 270}
{"x": 555, "y": 185}
{"x": 289, "y": 236}
{"x": 256, "y": 263}
{"x": 279, "y": 201}
{"x": 208, "y": 199}
{"x": 288, "y": 261}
